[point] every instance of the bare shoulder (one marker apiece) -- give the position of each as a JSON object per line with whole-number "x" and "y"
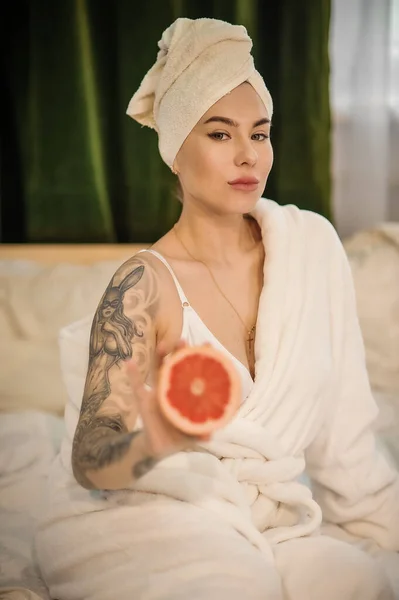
{"x": 141, "y": 263}
{"x": 141, "y": 282}
{"x": 155, "y": 274}
{"x": 154, "y": 291}
{"x": 136, "y": 284}
{"x": 170, "y": 317}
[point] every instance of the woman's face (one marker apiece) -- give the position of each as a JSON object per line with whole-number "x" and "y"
{"x": 110, "y": 303}
{"x": 230, "y": 143}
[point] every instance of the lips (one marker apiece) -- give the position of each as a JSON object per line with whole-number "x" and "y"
{"x": 245, "y": 184}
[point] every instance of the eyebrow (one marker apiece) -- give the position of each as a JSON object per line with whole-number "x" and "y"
{"x": 232, "y": 123}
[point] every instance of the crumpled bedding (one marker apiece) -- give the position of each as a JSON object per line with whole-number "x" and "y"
{"x": 29, "y": 442}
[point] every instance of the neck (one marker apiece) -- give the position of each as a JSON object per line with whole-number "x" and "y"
{"x": 215, "y": 239}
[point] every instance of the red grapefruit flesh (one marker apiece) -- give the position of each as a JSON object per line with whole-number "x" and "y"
{"x": 199, "y": 390}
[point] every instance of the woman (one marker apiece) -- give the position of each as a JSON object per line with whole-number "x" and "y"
{"x": 176, "y": 517}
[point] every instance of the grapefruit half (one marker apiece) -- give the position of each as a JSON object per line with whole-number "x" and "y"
{"x": 199, "y": 389}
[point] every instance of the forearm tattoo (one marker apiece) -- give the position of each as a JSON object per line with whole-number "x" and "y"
{"x": 123, "y": 327}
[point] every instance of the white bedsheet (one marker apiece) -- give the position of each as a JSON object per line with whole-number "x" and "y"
{"x": 28, "y": 443}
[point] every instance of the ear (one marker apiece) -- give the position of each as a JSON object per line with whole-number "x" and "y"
{"x": 131, "y": 279}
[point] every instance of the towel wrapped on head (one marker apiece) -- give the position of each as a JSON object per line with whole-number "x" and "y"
{"x": 198, "y": 63}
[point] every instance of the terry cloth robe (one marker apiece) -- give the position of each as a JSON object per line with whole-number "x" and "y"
{"x": 233, "y": 519}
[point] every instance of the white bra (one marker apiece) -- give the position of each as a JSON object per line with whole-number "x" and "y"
{"x": 195, "y": 332}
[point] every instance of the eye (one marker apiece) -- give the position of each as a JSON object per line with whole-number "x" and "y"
{"x": 219, "y": 136}
{"x": 260, "y": 137}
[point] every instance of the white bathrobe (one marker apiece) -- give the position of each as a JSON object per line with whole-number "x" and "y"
{"x": 233, "y": 520}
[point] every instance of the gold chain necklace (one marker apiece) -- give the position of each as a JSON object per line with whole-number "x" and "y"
{"x": 251, "y": 332}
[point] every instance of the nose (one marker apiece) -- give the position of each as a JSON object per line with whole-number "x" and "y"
{"x": 246, "y": 154}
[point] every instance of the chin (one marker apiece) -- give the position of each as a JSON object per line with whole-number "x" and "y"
{"x": 245, "y": 203}
{"x": 234, "y": 203}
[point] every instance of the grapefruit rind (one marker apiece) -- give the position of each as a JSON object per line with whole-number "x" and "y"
{"x": 229, "y": 378}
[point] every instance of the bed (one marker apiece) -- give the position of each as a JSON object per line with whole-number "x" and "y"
{"x": 45, "y": 287}
{"x": 42, "y": 288}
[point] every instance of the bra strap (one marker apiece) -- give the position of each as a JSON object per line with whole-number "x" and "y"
{"x": 182, "y": 295}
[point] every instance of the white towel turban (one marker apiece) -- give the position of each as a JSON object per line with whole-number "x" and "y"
{"x": 199, "y": 62}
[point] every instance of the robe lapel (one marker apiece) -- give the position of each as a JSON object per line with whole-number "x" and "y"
{"x": 273, "y": 226}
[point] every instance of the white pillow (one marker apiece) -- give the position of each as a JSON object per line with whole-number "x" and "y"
{"x": 74, "y": 353}
{"x": 374, "y": 260}
{"x": 39, "y": 302}
{"x": 35, "y": 303}
{"x": 30, "y": 376}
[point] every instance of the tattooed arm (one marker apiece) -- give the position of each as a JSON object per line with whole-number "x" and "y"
{"x": 107, "y": 453}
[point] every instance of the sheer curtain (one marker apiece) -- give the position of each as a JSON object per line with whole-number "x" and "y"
{"x": 364, "y": 52}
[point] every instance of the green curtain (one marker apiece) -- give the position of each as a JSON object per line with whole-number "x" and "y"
{"x": 292, "y": 55}
{"x": 75, "y": 168}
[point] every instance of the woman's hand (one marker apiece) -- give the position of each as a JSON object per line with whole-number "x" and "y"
{"x": 162, "y": 438}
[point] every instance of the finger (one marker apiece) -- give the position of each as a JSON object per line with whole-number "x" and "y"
{"x": 163, "y": 350}
{"x": 180, "y": 345}
{"x": 160, "y": 353}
